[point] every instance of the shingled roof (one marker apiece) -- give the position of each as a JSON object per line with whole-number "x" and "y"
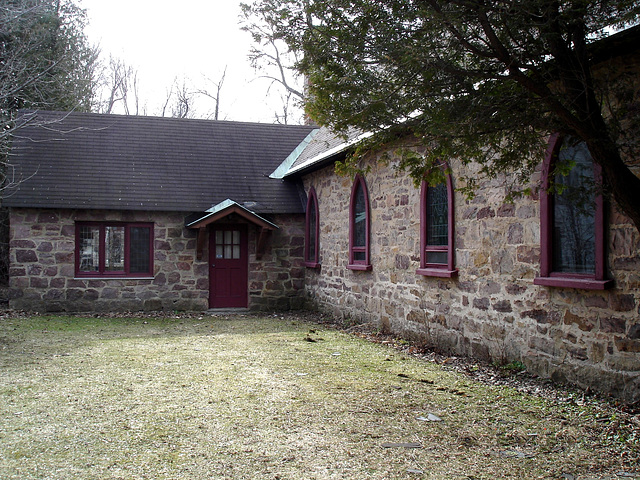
{"x": 80, "y": 160}
{"x": 325, "y": 147}
{"x": 321, "y": 148}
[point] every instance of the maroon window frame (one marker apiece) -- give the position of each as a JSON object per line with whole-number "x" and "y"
{"x": 359, "y": 226}
{"x": 428, "y": 267}
{"x": 312, "y": 232}
{"x": 101, "y": 269}
{"x": 548, "y": 276}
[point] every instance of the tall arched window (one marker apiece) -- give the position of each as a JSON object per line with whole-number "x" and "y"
{"x": 312, "y": 232}
{"x": 359, "y": 221}
{"x": 572, "y": 250}
{"x": 437, "y": 230}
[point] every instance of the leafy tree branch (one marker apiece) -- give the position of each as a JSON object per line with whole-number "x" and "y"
{"x": 484, "y": 82}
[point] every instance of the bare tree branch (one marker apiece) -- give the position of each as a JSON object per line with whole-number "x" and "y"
{"x": 215, "y": 96}
{"x": 121, "y": 82}
{"x": 271, "y": 54}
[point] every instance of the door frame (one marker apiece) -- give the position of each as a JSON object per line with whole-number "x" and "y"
{"x": 241, "y": 300}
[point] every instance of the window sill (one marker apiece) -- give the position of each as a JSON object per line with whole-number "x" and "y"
{"x": 360, "y": 267}
{"x": 437, "y": 272}
{"x": 112, "y": 278}
{"x": 572, "y": 282}
{"x": 311, "y": 264}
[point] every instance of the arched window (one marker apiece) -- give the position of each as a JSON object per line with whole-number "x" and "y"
{"x": 572, "y": 250}
{"x": 437, "y": 230}
{"x": 312, "y": 232}
{"x": 359, "y": 221}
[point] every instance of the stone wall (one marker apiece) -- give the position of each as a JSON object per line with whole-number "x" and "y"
{"x": 492, "y": 309}
{"x": 42, "y": 266}
{"x": 276, "y": 278}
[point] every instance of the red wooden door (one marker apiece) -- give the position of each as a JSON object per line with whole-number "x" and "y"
{"x": 228, "y": 266}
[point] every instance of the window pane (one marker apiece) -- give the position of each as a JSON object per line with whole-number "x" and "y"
{"x": 437, "y": 257}
{"x": 89, "y": 249}
{"x": 114, "y": 249}
{"x": 311, "y": 256}
{"x": 360, "y": 220}
{"x": 139, "y": 250}
{"x": 228, "y": 244}
{"x": 437, "y": 216}
{"x": 574, "y": 214}
{"x": 235, "y": 239}
{"x": 359, "y": 256}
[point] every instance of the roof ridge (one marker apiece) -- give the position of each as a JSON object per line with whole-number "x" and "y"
{"x": 73, "y": 113}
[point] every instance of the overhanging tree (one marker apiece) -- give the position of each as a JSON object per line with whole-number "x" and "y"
{"x": 482, "y": 81}
{"x": 46, "y": 63}
{"x": 45, "y": 58}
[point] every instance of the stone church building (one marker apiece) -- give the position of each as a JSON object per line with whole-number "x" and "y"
{"x": 124, "y": 213}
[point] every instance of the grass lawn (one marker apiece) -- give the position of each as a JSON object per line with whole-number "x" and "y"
{"x": 273, "y": 397}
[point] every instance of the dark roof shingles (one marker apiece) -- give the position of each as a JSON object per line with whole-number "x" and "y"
{"x": 151, "y": 163}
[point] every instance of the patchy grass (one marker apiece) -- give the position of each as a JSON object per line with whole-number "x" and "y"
{"x": 274, "y": 398}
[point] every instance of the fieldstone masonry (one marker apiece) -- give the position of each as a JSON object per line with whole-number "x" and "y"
{"x": 276, "y": 278}
{"x": 492, "y": 309}
{"x": 42, "y": 272}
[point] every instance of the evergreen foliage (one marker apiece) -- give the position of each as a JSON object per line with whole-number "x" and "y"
{"x": 482, "y": 81}
{"x": 46, "y": 61}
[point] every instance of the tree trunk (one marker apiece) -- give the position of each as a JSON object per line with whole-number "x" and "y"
{"x": 619, "y": 179}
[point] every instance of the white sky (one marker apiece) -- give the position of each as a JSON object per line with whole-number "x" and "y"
{"x": 191, "y": 39}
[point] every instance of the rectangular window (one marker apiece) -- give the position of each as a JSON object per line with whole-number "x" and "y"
{"x": 140, "y": 250}
{"x": 574, "y": 214}
{"x": 311, "y": 255}
{"x": 360, "y": 227}
{"x": 228, "y": 244}
{"x": 89, "y": 249}
{"x": 312, "y": 232}
{"x": 114, "y": 246}
{"x": 114, "y": 250}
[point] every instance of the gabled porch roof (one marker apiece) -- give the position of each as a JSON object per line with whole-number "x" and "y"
{"x": 225, "y": 208}
{"x": 222, "y": 210}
